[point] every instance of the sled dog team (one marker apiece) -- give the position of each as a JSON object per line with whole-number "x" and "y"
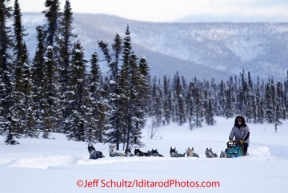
{"x": 238, "y": 147}
{"x": 153, "y": 153}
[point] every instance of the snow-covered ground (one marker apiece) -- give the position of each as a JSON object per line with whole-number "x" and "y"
{"x": 52, "y": 166}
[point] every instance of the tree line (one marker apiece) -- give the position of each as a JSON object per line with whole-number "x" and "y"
{"x": 55, "y": 91}
{"x": 198, "y": 102}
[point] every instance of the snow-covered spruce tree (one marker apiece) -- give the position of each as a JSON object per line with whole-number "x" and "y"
{"x": 156, "y": 103}
{"x": 250, "y": 110}
{"x": 129, "y": 85}
{"x": 31, "y": 129}
{"x": 79, "y": 100}
{"x": 23, "y": 108}
{"x": 20, "y": 57}
{"x": 190, "y": 106}
{"x": 208, "y": 108}
{"x": 259, "y": 102}
{"x": 167, "y": 100}
{"x": 286, "y": 96}
{"x": 242, "y": 100}
{"x": 53, "y": 14}
{"x": 229, "y": 99}
{"x": 114, "y": 66}
{"x": 138, "y": 96}
{"x": 50, "y": 95}
{"x": 6, "y": 85}
{"x": 115, "y": 132}
{"x": 269, "y": 111}
{"x": 279, "y": 104}
{"x": 65, "y": 39}
{"x": 37, "y": 74}
{"x": 99, "y": 122}
{"x": 144, "y": 89}
{"x": 198, "y": 106}
{"x": 179, "y": 100}
{"x": 221, "y": 102}
{"x": 124, "y": 81}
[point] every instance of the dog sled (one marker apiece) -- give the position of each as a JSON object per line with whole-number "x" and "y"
{"x": 234, "y": 149}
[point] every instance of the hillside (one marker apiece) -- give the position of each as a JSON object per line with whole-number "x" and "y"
{"x": 205, "y": 50}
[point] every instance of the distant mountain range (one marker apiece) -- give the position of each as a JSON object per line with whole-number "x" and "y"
{"x": 202, "y": 50}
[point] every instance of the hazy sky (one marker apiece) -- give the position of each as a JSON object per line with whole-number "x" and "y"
{"x": 173, "y": 10}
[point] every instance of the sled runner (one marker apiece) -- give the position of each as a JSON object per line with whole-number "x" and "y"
{"x": 234, "y": 149}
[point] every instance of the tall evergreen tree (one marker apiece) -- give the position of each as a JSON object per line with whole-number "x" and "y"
{"x": 208, "y": 108}
{"x": 6, "y": 101}
{"x": 99, "y": 108}
{"x": 190, "y": 109}
{"x": 50, "y": 95}
{"x": 156, "y": 110}
{"x": 31, "y": 129}
{"x": 144, "y": 90}
{"x": 167, "y": 100}
{"x": 179, "y": 100}
{"x": 269, "y": 111}
{"x": 65, "y": 42}
{"x": 80, "y": 115}
{"x": 23, "y": 85}
{"x": 115, "y": 133}
{"x": 37, "y": 74}
{"x": 53, "y": 14}
{"x": 198, "y": 104}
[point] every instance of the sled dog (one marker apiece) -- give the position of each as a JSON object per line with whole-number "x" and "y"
{"x": 174, "y": 153}
{"x": 93, "y": 153}
{"x": 209, "y": 153}
{"x": 223, "y": 154}
{"x": 190, "y": 152}
{"x": 155, "y": 153}
{"x": 113, "y": 152}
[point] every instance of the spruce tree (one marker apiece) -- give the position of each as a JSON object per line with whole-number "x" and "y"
{"x": 156, "y": 104}
{"x": 37, "y": 74}
{"x": 115, "y": 133}
{"x": 22, "y": 95}
{"x": 80, "y": 103}
{"x": 208, "y": 108}
{"x": 144, "y": 90}
{"x": 99, "y": 108}
{"x": 53, "y": 14}
{"x": 269, "y": 111}
{"x": 190, "y": 109}
{"x": 167, "y": 103}
{"x": 198, "y": 106}
{"x": 50, "y": 95}
{"x": 6, "y": 116}
{"x": 31, "y": 129}
{"x": 65, "y": 42}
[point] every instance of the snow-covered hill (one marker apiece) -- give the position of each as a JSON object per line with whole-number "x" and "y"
{"x": 58, "y": 165}
{"x": 205, "y": 50}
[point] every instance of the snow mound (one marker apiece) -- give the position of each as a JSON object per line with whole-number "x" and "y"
{"x": 260, "y": 152}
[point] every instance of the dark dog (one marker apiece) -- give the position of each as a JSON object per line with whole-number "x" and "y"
{"x": 174, "y": 153}
{"x": 138, "y": 152}
{"x": 93, "y": 153}
{"x": 155, "y": 153}
{"x": 209, "y": 153}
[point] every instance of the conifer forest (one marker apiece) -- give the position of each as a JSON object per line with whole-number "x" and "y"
{"x": 62, "y": 90}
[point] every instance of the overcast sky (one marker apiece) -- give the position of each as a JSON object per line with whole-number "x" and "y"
{"x": 177, "y": 10}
